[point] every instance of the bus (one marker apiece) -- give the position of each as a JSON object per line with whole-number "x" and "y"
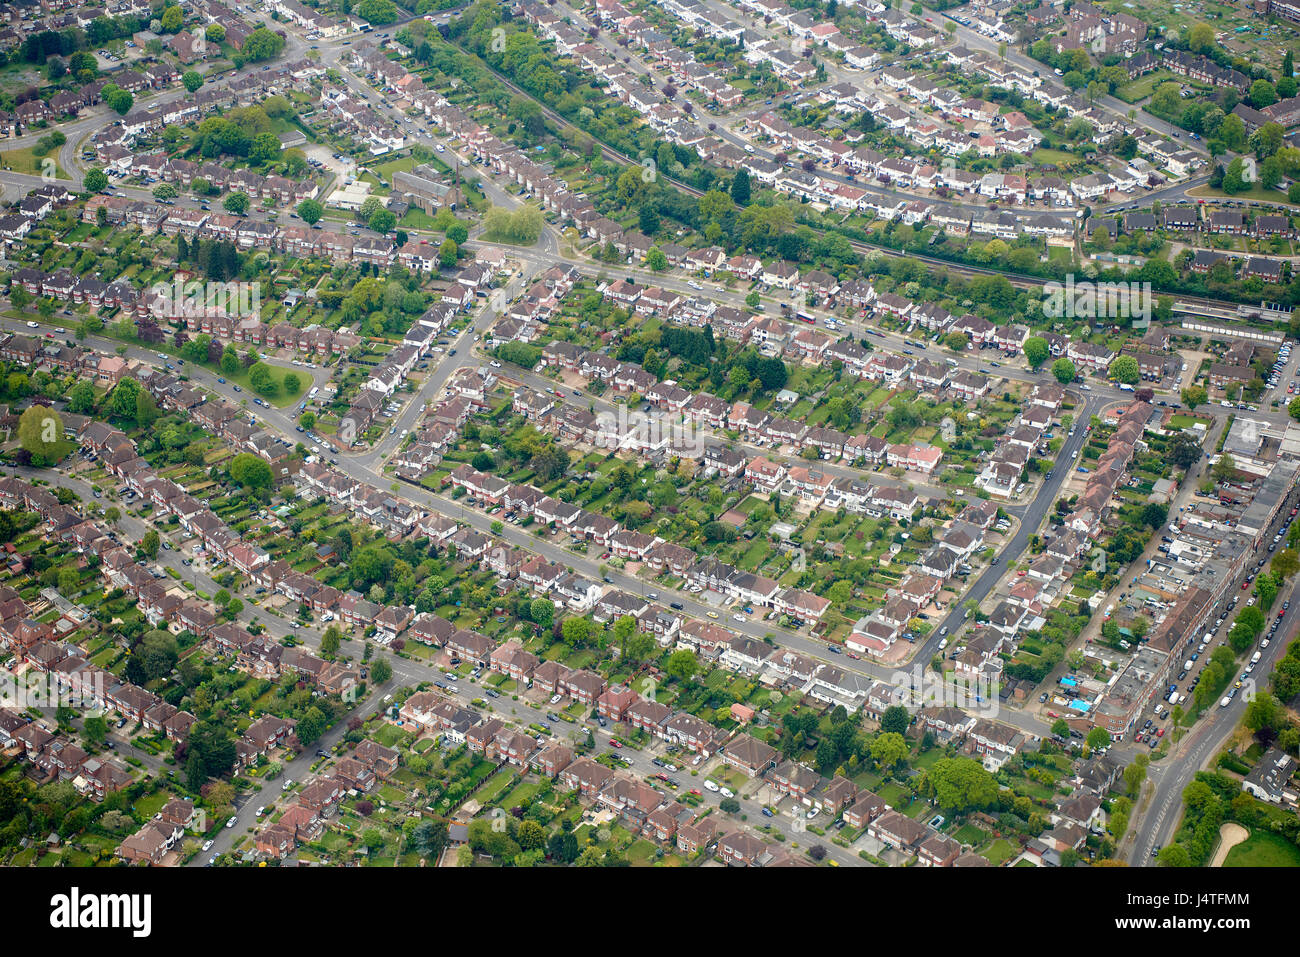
{"x": 805, "y": 317}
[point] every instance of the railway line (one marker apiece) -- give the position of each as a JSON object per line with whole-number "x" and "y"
{"x": 1018, "y": 280}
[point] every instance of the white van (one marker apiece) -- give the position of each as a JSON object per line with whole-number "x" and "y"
{"x": 1254, "y": 659}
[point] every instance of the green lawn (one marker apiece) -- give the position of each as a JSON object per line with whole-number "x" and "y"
{"x": 25, "y": 161}
{"x": 1264, "y": 849}
{"x": 999, "y": 852}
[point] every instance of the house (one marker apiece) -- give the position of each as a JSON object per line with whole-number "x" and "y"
{"x": 1271, "y": 779}
{"x": 750, "y": 755}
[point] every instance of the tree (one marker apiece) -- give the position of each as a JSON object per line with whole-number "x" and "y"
{"x": 310, "y": 211}
{"x": 1134, "y": 775}
{"x": 624, "y": 629}
{"x": 888, "y": 749}
{"x": 118, "y": 100}
{"x": 956, "y": 341}
{"x": 192, "y": 80}
{"x": 1264, "y": 713}
{"x": 382, "y": 221}
{"x": 377, "y": 12}
{"x": 1200, "y": 38}
{"x": 40, "y": 431}
{"x": 262, "y": 44}
{"x": 1064, "y": 371}
{"x": 1194, "y": 395}
{"x": 1125, "y": 369}
{"x": 1285, "y": 564}
{"x": 1262, "y": 93}
{"x": 95, "y": 730}
{"x": 520, "y": 227}
{"x": 962, "y": 784}
{"x": 381, "y": 671}
{"x": 575, "y": 631}
{"x": 96, "y": 180}
{"x": 1154, "y": 514}
{"x": 1173, "y": 855}
{"x": 146, "y": 409}
{"x": 1224, "y": 469}
{"x": 740, "y": 188}
{"x": 448, "y": 253}
{"x": 1097, "y": 738}
{"x": 895, "y": 719}
{"x": 250, "y": 471}
{"x": 172, "y": 18}
{"x": 158, "y": 653}
{"x": 311, "y": 726}
{"x": 236, "y": 203}
{"x": 682, "y": 665}
{"x": 150, "y": 544}
{"x": 1037, "y": 351}
{"x": 1266, "y": 589}
{"x": 656, "y": 260}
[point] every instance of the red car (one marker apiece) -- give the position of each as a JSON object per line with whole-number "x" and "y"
{"x": 1245, "y": 585}
{"x": 1052, "y": 714}
{"x": 1160, "y": 733}
{"x": 696, "y": 792}
{"x": 615, "y": 744}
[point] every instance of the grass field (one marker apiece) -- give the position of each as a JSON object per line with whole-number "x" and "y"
{"x": 999, "y": 851}
{"x": 1264, "y": 849}
{"x": 1143, "y": 86}
{"x": 25, "y": 161}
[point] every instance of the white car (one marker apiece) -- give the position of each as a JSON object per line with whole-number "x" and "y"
{"x": 33, "y": 325}
{"x": 231, "y": 822}
{"x": 494, "y": 364}
{"x": 288, "y": 783}
{"x": 710, "y": 786}
{"x": 739, "y": 618}
{"x": 727, "y": 792}
{"x": 555, "y": 698}
{"x": 207, "y": 845}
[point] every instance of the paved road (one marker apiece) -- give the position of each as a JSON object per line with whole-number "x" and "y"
{"x": 1030, "y": 520}
{"x": 1159, "y": 823}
